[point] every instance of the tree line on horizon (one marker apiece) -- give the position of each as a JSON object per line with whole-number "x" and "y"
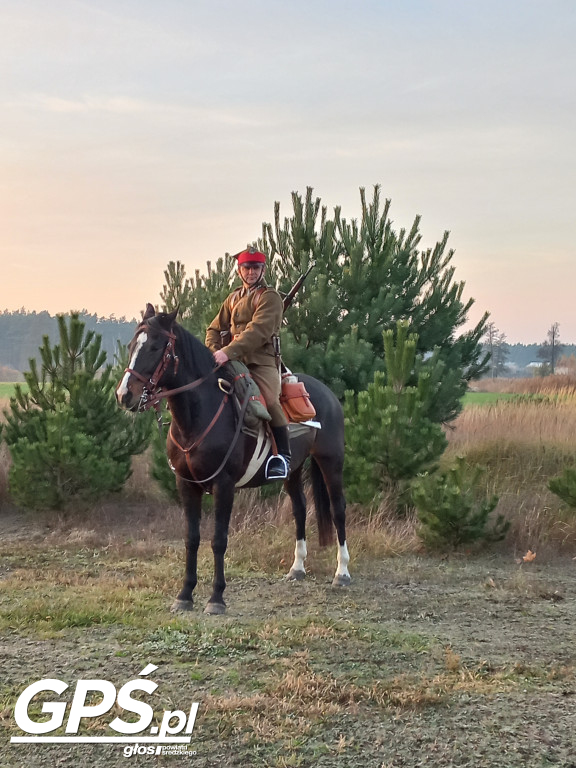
{"x": 22, "y": 331}
{"x": 519, "y": 360}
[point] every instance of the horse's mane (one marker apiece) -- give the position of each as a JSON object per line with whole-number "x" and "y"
{"x": 192, "y": 352}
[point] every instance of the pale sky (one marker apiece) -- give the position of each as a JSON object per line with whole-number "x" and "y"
{"x": 135, "y": 132}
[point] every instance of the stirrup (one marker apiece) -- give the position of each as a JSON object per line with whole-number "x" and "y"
{"x": 277, "y": 468}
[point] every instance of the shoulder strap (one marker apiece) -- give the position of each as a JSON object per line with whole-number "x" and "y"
{"x": 257, "y": 296}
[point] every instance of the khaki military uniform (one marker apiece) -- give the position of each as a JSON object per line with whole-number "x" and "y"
{"x": 253, "y": 318}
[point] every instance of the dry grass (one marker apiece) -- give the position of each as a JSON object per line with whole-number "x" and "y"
{"x": 523, "y": 443}
{"x": 533, "y": 422}
{"x": 564, "y": 385}
{"x": 261, "y": 535}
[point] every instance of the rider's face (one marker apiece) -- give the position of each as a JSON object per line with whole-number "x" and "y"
{"x": 251, "y": 273}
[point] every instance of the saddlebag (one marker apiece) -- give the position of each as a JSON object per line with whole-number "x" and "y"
{"x": 295, "y": 400}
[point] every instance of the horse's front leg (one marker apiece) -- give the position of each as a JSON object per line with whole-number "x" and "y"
{"x": 191, "y": 496}
{"x": 223, "y": 501}
{"x": 293, "y": 486}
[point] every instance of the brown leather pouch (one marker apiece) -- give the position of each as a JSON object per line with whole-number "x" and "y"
{"x": 295, "y": 400}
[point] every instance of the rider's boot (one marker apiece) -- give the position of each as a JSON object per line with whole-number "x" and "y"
{"x": 278, "y": 467}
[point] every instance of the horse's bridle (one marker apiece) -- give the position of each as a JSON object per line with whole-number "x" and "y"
{"x": 152, "y": 394}
{"x": 152, "y": 397}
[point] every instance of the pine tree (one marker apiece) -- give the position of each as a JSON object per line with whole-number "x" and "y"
{"x": 66, "y": 435}
{"x": 161, "y": 470}
{"x": 198, "y": 298}
{"x": 389, "y": 436}
{"x": 366, "y": 278}
{"x": 453, "y": 509}
{"x": 551, "y": 350}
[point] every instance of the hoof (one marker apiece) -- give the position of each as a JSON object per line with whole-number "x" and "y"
{"x": 341, "y": 581}
{"x": 215, "y": 609}
{"x": 179, "y": 606}
{"x": 293, "y": 575}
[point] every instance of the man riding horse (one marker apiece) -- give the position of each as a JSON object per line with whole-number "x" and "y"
{"x": 205, "y": 447}
{"x": 247, "y": 329}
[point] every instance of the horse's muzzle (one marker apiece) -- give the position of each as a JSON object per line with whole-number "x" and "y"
{"x": 125, "y": 400}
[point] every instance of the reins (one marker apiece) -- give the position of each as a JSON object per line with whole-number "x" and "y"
{"x": 187, "y": 451}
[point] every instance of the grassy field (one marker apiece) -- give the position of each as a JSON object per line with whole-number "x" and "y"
{"x": 437, "y": 660}
{"x": 6, "y": 390}
{"x": 423, "y": 660}
{"x": 485, "y": 398}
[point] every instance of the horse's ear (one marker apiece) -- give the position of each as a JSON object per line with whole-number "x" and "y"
{"x": 167, "y": 319}
{"x": 148, "y": 312}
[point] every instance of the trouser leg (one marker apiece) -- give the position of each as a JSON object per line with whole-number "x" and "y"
{"x": 268, "y": 380}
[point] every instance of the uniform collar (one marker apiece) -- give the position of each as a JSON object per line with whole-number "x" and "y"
{"x": 245, "y": 291}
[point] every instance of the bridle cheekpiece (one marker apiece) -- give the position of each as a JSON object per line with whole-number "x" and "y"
{"x": 152, "y": 394}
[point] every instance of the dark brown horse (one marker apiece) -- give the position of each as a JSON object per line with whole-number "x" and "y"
{"x": 209, "y": 451}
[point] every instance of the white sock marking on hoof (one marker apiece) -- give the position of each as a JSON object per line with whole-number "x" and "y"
{"x": 300, "y": 553}
{"x": 343, "y": 560}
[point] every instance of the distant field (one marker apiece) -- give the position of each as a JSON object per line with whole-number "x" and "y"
{"x": 485, "y": 398}
{"x": 470, "y": 398}
{"x": 7, "y": 388}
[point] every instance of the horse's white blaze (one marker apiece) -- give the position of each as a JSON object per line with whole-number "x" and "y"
{"x": 300, "y": 553}
{"x": 123, "y": 386}
{"x": 343, "y": 560}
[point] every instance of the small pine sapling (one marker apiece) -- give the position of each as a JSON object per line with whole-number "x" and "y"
{"x": 66, "y": 435}
{"x": 564, "y": 486}
{"x": 453, "y": 509}
{"x": 389, "y": 437}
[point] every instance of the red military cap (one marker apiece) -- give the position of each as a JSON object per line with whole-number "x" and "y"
{"x": 251, "y": 256}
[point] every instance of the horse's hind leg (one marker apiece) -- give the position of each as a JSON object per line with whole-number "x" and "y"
{"x": 191, "y": 497}
{"x": 293, "y": 486}
{"x": 342, "y": 575}
{"x": 332, "y": 476}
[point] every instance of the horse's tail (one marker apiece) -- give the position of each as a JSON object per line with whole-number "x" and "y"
{"x": 322, "y": 505}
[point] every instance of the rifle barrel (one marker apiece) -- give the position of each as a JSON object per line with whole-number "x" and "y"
{"x": 289, "y": 298}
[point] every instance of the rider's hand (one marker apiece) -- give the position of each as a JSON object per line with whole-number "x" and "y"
{"x": 220, "y": 357}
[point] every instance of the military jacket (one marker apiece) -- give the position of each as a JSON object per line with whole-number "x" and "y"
{"x": 253, "y": 318}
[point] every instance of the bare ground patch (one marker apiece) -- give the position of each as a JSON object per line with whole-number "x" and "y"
{"x": 421, "y": 662}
